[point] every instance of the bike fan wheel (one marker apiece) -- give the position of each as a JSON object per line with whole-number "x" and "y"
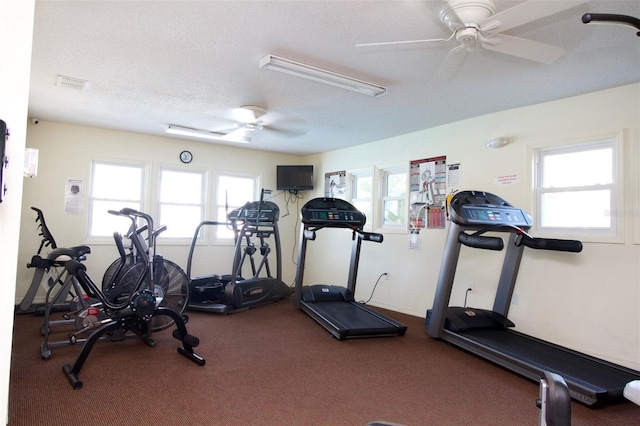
{"x": 171, "y": 287}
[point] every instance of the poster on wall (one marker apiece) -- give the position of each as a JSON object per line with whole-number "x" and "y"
{"x": 334, "y": 184}
{"x": 428, "y": 180}
{"x": 73, "y": 197}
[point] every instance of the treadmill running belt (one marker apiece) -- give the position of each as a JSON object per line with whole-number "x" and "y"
{"x": 571, "y": 365}
{"x": 352, "y": 319}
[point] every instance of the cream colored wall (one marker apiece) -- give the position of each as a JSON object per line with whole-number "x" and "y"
{"x": 66, "y": 151}
{"x": 590, "y": 301}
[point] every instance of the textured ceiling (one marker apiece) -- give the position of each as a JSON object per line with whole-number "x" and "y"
{"x": 190, "y": 63}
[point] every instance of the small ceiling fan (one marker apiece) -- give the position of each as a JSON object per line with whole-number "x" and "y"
{"x": 249, "y": 119}
{"x": 474, "y": 25}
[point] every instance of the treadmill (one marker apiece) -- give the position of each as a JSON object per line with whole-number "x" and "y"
{"x": 331, "y": 306}
{"x": 488, "y": 333}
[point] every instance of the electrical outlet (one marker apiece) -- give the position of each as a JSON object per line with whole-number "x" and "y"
{"x": 470, "y": 286}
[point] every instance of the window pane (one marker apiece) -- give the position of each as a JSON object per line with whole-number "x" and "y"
{"x": 236, "y": 191}
{"x": 583, "y": 209}
{"x": 223, "y": 231}
{"x": 394, "y": 211}
{"x": 233, "y": 192}
{"x": 181, "y": 220}
{"x": 396, "y": 185}
{"x": 584, "y": 168}
{"x": 116, "y": 182}
{"x": 104, "y": 224}
{"x": 364, "y": 206}
{"x": 180, "y": 187}
{"x": 363, "y": 187}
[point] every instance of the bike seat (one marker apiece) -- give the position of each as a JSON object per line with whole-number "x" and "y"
{"x": 67, "y": 253}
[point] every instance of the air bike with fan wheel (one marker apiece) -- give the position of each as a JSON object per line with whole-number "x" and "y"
{"x": 331, "y": 306}
{"x": 143, "y": 293}
{"x": 255, "y": 226}
{"x": 489, "y": 333}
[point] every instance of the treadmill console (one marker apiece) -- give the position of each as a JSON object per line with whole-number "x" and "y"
{"x": 332, "y": 212}
{"x": 256, "y": 211}
{"x": 485, "y": 209}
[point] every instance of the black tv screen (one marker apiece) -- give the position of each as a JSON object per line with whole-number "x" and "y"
{"x": 294, "y": 178}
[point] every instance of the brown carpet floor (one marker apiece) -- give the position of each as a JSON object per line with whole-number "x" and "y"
{"x": 273, "y": 365}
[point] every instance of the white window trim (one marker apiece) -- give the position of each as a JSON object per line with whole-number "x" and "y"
{"x": 617, "y": 232}
{"x": 378, "y": 203}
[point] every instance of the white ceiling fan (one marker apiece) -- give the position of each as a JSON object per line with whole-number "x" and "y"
{"x": 474, "y": 25}
{"x": 249, "y": 119}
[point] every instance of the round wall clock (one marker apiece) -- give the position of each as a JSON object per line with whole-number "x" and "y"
{"x": 186, "y": 157}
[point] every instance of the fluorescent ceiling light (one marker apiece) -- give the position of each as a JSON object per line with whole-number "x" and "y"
{"x": 321, "y": 76}
{"x": 203, "y": 134}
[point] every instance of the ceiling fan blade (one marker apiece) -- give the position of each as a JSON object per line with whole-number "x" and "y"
{"x": 391, "y": 43}
{"x": 452, "y": 63}
{"x": 523, "y": 48}
{"x": 225, "y": 131}
{"x": 285, "y": 131}
{"x": 237, "y": 135}
{"x": 526, "y": 12}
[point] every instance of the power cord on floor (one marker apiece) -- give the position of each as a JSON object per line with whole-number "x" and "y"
{"x": 374, "y": 289}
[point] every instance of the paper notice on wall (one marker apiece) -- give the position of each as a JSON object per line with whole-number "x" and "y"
{"x": 73, "y": 197}
{"x": 414, "y": 239}
{"x": 453, "y": 174}
{"x": 506, "y": 180}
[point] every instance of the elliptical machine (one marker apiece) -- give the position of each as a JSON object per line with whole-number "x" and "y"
{"x": 226, "y": 293}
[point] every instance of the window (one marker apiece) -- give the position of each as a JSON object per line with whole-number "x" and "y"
{"x": 394, "y": 194}
{"x": 576, "y": 188}
{"x": 233, "y": 192}
{"x": 361, "y": 187}
{"x": 113, "y": 187}
{"x": 181, "y": 202}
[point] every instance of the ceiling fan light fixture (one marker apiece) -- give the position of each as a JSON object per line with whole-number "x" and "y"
{"x": 320, "y": 75}
{"x": 202, "y": 134}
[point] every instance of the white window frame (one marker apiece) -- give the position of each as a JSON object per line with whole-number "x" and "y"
{"x": 381, "y": 180}
{"x": 613, "y": 234}
{"x": 216, "y": 207}
{"x": 144, "y": 169}
{"x": 203, "y": 201}
{"x": 353, "y": 176}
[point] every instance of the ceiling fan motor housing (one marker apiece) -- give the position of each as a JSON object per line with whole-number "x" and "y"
{"x": 466, "y": 12}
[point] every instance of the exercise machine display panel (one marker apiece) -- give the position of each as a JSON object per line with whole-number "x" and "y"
{"x": 483, "y": 209}
{"x": 256, "y": 211}
{"x": 332, "y": 212}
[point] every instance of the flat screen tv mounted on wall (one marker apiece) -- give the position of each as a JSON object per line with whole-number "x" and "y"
{"x": 294, "y": 178}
